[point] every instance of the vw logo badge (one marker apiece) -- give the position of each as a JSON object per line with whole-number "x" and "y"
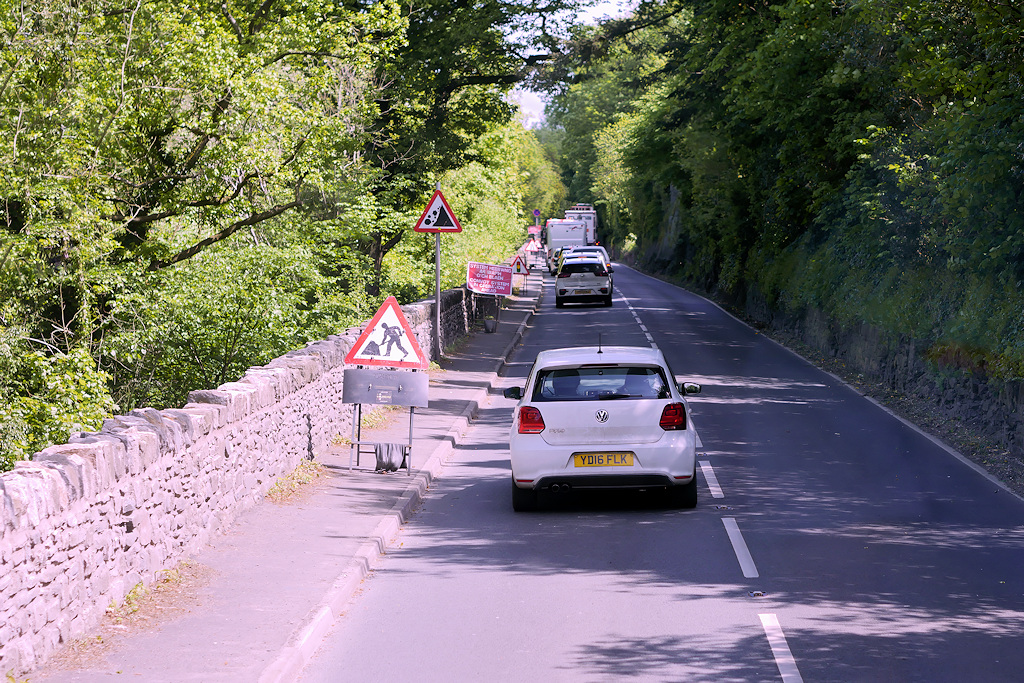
{"x": 601, "y": 415}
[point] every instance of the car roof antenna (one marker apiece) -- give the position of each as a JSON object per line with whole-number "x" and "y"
{"x": 599, "y": 343}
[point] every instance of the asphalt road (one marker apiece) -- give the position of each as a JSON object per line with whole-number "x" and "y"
{"x": 832, "y": 542}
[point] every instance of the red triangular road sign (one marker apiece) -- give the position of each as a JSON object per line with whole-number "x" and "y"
{"x": 438, "y": 216}
{"x": 519, "y": 266}
{"x": 388, "y": 341}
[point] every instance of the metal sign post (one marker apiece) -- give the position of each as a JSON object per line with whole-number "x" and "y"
{"x": 438, "y": 217}
{"x": 438, "y": 346}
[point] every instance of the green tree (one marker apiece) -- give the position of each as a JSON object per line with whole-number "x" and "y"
{"x": 446, "y": 89}
{"x": 149, "y": 131}
{"x": 188, "y": 189}
{"x": 46, "y": 397}
{"x": 203, "y": 323}
{"x": 860, "y": 158}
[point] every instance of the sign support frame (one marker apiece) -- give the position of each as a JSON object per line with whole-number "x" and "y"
{"x": 357, "y": 439}
{"x": 382, "y": 387}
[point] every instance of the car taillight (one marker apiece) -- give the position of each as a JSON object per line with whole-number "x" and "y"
{"x": 530, "y": 420}
{"x": 563, "y": 275}
{"x": 673, "y": 417}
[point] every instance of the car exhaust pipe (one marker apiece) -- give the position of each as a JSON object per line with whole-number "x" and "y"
{"x": 559, "y": 488}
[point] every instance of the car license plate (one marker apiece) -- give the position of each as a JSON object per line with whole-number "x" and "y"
{"x": 584, "y": 291}
{"x": 603, "y": 459}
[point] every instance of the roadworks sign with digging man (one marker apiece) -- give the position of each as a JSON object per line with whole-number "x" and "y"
{"x": 388, "y": 341}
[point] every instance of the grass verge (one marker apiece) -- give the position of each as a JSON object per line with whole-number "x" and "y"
{"x": 292, "y": 484}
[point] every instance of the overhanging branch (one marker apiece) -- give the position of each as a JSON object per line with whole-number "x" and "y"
{"x": 255, "y": 218}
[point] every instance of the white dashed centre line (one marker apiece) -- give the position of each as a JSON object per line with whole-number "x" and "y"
{"x": 770, "y": 622}
{"x": 780, "y": 649}
{"x": 711, "y": 479}
{"x": 639, "y": 322}
{"x": 739, "y": 546}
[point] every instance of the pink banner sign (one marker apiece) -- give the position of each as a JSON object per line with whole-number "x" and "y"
{"x": 486, "y": 278}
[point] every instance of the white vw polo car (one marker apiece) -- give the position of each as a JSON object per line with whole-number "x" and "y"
{"x": 602, "y": 418}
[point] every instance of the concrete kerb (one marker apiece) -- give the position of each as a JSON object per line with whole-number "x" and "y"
{"x": 308, "y": 637}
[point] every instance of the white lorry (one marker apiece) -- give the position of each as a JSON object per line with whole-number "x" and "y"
{"x": 587, "y": 214}
{"x": 562, "y": 232}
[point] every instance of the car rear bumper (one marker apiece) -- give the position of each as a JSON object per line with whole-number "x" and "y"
{"x": 608, "y": 481}
{"x": 670, "y": 461}
{"x": 580, "y": 298}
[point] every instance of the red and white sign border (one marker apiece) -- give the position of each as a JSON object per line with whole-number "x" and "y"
{"x": 391, "y": 303}
{"x": 522, "y": 264}
{"x": 438, "y": 197}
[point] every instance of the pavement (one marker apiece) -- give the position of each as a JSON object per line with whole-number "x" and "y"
{"x": 263, "y": 595}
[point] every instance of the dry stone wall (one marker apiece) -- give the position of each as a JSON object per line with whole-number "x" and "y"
{"x": 82, "y": 523}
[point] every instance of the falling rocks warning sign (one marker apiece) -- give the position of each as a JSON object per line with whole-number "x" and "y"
{"x": 438, "y": 216}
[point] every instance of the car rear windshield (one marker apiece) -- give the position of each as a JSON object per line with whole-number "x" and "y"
{"x": 600, "y": 383}
{"x": 595, "y": 267}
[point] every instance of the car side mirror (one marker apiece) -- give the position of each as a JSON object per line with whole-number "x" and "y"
{"x": 610, "y": 269}
{"x": 688, "y": 388}
{"x": 513, "y": 393}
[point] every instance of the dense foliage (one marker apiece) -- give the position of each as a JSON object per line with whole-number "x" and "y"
{"x": 191, "y": 188}
{"x": 861, "y": 157}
